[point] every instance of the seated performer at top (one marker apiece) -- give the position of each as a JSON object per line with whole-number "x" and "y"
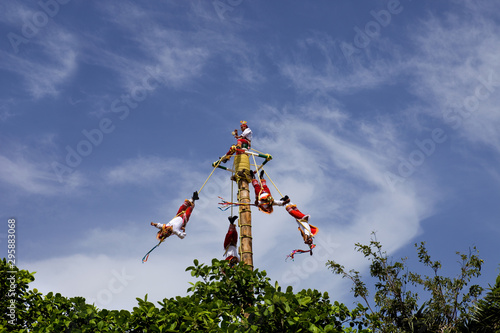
{"x": 263, "y": 198}
{"x": 244, "y": 140}
{"x": 178, "y": 224}
{"x": 230, "y": 243}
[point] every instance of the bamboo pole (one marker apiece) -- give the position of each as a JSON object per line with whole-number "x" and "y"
{"x": 242, "y": 166}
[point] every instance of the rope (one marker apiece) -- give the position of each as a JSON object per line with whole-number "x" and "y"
{"x": 232, "y": 186}
{"x": 260, "y": 183}
{"x": 255, "y": 150}
{"x": 215, "y": 167}
{"x": 273, "y": 183}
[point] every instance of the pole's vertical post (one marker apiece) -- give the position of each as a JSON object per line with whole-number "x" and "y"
{"x": 242, "y": 168}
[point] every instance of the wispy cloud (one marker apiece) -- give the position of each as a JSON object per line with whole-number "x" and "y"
{"x": 34, "y": 178}
{"x": 317, "y": 64}
{"x": 178, "y": 56}
{"x": 15, "y": 14}
{"x": 336, "y": 178}
{"x": 142, "y": 170}
{"x": 110, "y": 283}
{"x": 328, "y": 156}
{"x": 336, "y": 173}
{"x": 53, "y": 65}
{"x": 27, "y": 168}
{"x": 457, "y": 74}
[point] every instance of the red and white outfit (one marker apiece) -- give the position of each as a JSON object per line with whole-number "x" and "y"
{"x": 245, "y": 137}
{"x": 230, "y": 243}
{"x": 302, "y": 220}
{"x": 263, "y": 197}
{"x": 178, "y": 222}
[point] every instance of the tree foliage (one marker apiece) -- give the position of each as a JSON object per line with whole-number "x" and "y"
{"x": 238, "y": 299}
{"x": 397, "y": 305}
{"x": 222, "y": 300}
{"x": 486, "y": 314}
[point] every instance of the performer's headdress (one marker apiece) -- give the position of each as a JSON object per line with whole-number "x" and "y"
{"x": 164, "y": 232}
{"x": 243, "y": 123}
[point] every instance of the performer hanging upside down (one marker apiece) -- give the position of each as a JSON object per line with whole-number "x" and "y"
{"x": 244, "y": 140}
{"x": 263, "y": 198}
{"x": 230, "y": 242}
{"x": 306, "y": 230}
{"x": 178, "y": 224}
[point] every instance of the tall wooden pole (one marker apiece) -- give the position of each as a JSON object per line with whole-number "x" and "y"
{"x": 242, "y": 166}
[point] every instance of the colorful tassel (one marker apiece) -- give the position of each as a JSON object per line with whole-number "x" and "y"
{"x": 299, "y": 251}
{"x": 145, "y": 258}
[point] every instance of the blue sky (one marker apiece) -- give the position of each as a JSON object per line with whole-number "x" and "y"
{"x": 380, "y": 116}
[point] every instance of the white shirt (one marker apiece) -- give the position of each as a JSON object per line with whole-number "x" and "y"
{"x": 231, "y": 251}
{"x": 247, "y": 134}
{"x": 176, "y": 224}
{"x": 305, "y": 227}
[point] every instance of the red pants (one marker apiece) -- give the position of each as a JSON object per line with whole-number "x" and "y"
{"x": 231, "y": 236}
{"x": 258, "y": 188}
{"x": 234, "y": 149}
{"x": 242, "y": 141}
{"x": 292, "y": 210}
{"x": 185, "y": 211}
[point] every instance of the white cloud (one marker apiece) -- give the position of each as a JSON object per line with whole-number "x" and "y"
{"x": 44, "y": 55}
{"x": 330, "y": 164}
{"x": 15, "y": 14}
{"x": 112, "y": 282}
{"x": 142, "y": 170}
{"x": 35, "y": 177}
{"x": 457, "y": 74}
{"x": 107, "y": 269}
{"x": 54, "y": 64}
{"x": 27, "y": 166}
{"x": 176, "y": 56}
{"x": 337, "y": 180}
{"x": 332, "y": 72}
{"x": 336, "y": 174}
{"x": 6, "y": 110}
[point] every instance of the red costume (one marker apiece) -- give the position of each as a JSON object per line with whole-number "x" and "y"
{"x": 178, "y": 223}
{"x": 306, "y": 230}
{"x": 263, "y": 198}
{"x": 230, "y": 244}
{"x": 295, "y": 212}
{"x": 243, "y": 141}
